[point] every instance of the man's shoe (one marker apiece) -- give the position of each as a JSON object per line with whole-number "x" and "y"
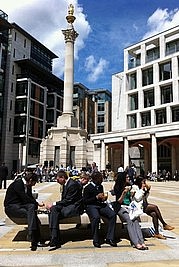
{"x": 41, "y": 245}
{"x": 159, "y": 236}
{"x": 168, "y": 227}
{"x": 112, "y": 243}
{"x": 96, "y": 244}
{"x": 33, "y": 246}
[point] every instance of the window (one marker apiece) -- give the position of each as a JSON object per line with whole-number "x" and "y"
{"x": 147, "y": 76}
{"x": 132, "y": 122}
{"x": 25, "y": 43}
{"x": 175, "y": 114}
{"x": 161, "y": 116}
{"x": 21, "y": 88}
{"x": 133, "y": 102}
{"x": 146, "y": 119}
{"x": 148, "y": 98}
{"x": 100, "y": 129}
{"x": 165, "y": 71}
{"x": 100, "y": 118}
{"x": 20, "y": 125}
{"x": 14, "y": 53}
{"x": 166, "y": 94}
{"x": 50, "y": 100}
{"x": 21, "y": 106}
{"x": 9, "y": 124}
{"x": 172, "y": 47}
{"x": 132, "y": 81}
{"x": 152, "y": 54}
{"x": 101, "y": 107}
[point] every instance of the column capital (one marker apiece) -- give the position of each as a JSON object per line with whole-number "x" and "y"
{"x": 70, "y": 35}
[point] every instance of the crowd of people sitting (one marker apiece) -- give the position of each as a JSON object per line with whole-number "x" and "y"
{"x": 86, "y": 193}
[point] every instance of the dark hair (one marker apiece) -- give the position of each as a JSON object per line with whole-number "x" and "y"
{"x": 139, "y": 181}
{"x": 119, "y": 183}
{"x": 95, "y": 176}
{"x": 62, "y": 173}
{"x": 31, "y": 176}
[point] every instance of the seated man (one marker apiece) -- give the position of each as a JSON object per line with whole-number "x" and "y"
{"x": 19, "y": 203}
{"x": 94, "y": 200}
{"x": 70, "y": 205}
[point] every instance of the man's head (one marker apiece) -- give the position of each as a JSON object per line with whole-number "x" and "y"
{"x": 97, "y": 178}
{"x": 31, "y": 179}
{"x": 84, "y": 178}
{"x": 62, "y": 177}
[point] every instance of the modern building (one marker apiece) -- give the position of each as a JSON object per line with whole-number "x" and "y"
{"x": 145, "y": 108}
{"x": 92, "y": 108}
{"x": 31, "y": 96}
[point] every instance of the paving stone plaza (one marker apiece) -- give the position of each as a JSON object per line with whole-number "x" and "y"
{"x": 77, "y": 248}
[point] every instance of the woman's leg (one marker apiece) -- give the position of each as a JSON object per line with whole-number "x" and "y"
{"x": 124, "y": 215}
{"x": 153, "y": 211}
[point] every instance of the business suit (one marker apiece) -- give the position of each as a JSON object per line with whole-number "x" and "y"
{"x": 69, "y": 206}
{"x": 95, "y": 209}
{"x": 19, "y": 203}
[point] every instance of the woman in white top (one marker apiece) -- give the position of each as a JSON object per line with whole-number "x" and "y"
{"x": 140, "y": 194}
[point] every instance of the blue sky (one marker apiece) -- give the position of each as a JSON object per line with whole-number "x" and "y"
{"x": 105, "y": 28}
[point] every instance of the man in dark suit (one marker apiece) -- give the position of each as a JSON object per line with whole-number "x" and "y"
{"x": 94, "y": 200}
{"x": 70, "y": 205}
{"x": 20, "y": 203}
{"x": 3, "y": 175}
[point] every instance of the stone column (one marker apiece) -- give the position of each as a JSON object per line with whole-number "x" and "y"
{"x": 70, "y": 36}
{"x": 154, "y": 153}
{"x": 103, "y": 156}
{"x": 126, "y": 152}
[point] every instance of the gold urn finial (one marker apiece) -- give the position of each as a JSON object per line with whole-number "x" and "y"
{"x": 70, "y": 18}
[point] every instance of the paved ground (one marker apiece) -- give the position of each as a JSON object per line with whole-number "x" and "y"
{"x": 77, "y": 249}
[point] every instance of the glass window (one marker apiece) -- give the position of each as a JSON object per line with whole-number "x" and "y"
{"x": 147, "y": 76}
{"x": 19, "y": 125}
{"x": 50, "y": 100}
{"x": 172, "y": 47}
{"x": 152, "y": 54}
{"x": 166, "y": 94}
{"x": 100, "y": 129}
{"x": 101, "y": 107}
{"x": 132, "y": 122}
{"x": 100, "y": 118}
{"x": 132, "y": 81}
{"x": 175, "y": 114}
{"x": 148, "y": 98}
{"x": 133, "y": 102}
{"x": 161, "y": 116}
{"x": 21, "y": 88}
{"x": 165, "y": 71}
{"x": 146, "y": 119}
{"x": 21, "y": 106}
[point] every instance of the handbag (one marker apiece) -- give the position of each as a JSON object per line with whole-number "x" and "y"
{"x": 135, "y": 209}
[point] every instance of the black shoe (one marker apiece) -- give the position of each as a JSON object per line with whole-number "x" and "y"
{"x": 33, "y": 246}
{"x": 96, "y": 244}
{"x": 111, "y": 243}
{"x": 54, "y": 246}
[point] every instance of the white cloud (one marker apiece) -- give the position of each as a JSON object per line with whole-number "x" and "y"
{"x": 44, "y": 20}
{"x": 161, "y": 20}
{"x": 94, "y": 68}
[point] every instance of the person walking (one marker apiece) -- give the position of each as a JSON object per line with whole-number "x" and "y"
{"x": 3, "y": 175}
{"x": 94, "y": 201}
{"x": 20, "y": 203}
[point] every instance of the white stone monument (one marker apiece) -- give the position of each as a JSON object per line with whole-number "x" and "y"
{"x": 66, "y": 144}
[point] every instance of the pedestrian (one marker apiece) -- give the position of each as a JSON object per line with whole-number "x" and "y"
{"x": 20, "y": 203}
{"x": 3, "y": 175}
